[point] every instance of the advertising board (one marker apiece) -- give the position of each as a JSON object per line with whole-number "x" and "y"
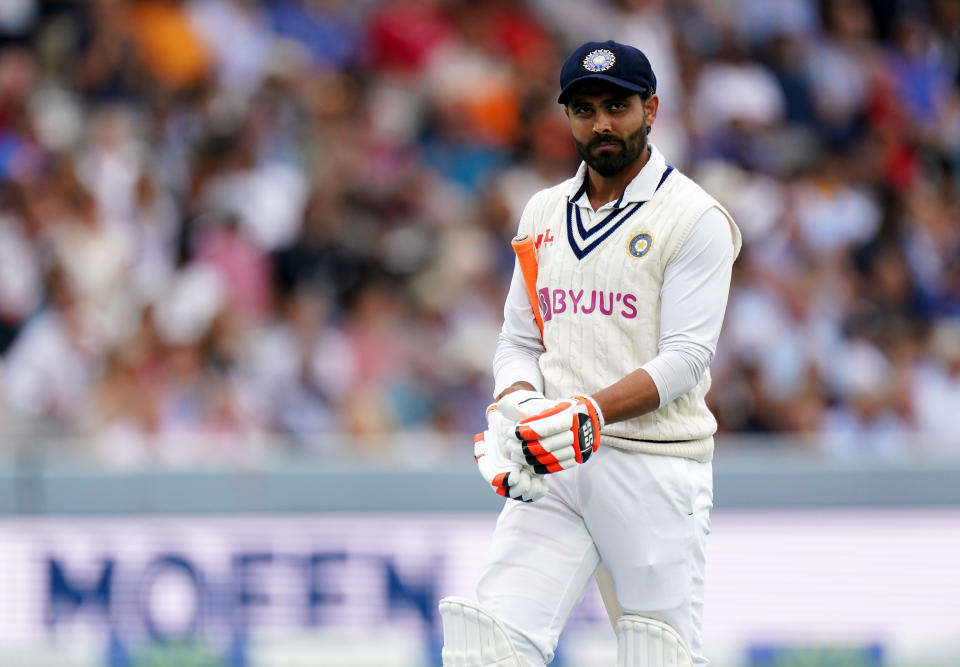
{"x": 361, "y": 589}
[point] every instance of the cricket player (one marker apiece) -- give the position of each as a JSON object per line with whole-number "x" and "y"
{"x": 601, "y": 369}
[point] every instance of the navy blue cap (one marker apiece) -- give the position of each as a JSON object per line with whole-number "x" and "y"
{"x": 619, "y": 64}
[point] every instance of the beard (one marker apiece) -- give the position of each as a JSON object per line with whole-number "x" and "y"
{"x": 612, "y": 162}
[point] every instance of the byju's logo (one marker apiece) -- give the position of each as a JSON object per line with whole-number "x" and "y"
{"x": 543, "y": 297}
{"x": 554, "y": 302}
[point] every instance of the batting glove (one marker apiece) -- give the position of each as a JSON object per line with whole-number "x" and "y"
{"x": 562, "y": 436}
{"x": 523, "y": 403}
{"x": 515, "y": 406}
{"x": 507, "y": 477}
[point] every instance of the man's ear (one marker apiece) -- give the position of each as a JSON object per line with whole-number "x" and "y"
{"x": 650, "y": 106}
{"x": 566, "y": 111}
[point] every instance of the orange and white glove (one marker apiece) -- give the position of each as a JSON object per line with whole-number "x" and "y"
{"x": 523, "y": 403}
{"x": 561, "y": 436}
{"x": 516, "y": 406}
{"x": 508, "y": 478}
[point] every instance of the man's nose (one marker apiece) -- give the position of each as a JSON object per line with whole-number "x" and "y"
{"x": 601, "y": 123}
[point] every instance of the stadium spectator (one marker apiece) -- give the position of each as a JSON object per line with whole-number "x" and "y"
{"x": 245, "y": 225}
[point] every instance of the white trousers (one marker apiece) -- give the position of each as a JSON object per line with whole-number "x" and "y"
{"x": 646, "y": 517}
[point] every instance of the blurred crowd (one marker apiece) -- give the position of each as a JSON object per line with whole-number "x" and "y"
{"x": 233, "y": 226}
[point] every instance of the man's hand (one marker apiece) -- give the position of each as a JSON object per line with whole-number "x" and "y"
{"x": 523, "y": 403}
{"x": 513, "y": 407}
{"x": 561, "y": 436}
{"x": 507, "y": 477}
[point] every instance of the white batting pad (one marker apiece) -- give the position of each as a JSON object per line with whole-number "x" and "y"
{"x": 473, "y": 637}
{"x": 647, "y": 642}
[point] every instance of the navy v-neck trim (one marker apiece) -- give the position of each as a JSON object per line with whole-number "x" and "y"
{"x": 582, "y": 252}
{"x": 586, "y": 233}
{"x": 610, "y": 228}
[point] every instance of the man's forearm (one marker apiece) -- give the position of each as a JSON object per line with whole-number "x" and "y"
{"x": 632, "y": 396}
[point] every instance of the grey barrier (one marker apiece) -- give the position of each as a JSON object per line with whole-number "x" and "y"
{"x": 764, "y": 474}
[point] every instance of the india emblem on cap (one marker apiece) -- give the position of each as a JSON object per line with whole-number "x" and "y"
{"x": 599, "y": 61}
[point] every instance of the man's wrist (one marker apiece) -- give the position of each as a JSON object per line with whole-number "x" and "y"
{"x": 521, "y": 385}
{"x": 596, "y": 407}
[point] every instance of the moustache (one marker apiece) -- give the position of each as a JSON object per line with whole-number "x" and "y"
{"x": 599, "y": 141}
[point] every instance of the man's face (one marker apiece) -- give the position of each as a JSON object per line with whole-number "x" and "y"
{"x": 609, "y": 125}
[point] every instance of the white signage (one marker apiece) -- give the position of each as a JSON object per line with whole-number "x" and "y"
{"x": 361, "y": 589}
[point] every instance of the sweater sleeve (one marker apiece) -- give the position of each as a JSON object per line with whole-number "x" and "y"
{"x": 696, "y": 284}
{"x": 519, "y": 345}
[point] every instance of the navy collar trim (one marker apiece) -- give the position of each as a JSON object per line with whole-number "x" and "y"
{"x": 666, "y": 172}
{"x": 608, "y": 223}
{"x": 581, "y": 191}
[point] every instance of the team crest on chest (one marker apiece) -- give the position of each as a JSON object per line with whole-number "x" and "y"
{"x": 640, "y": 244}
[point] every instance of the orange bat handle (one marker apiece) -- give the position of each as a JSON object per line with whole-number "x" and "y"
{"x": 527, "y": 257}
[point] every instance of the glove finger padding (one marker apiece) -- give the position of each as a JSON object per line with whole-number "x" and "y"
{"x": 525, "y": 485}
{"x": 508, "y": 478}
{"x": 507, "y": 442}
{"x": 561, "y": 437}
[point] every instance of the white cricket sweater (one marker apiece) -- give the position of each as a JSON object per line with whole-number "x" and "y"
{"x": 600, "y": 283}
